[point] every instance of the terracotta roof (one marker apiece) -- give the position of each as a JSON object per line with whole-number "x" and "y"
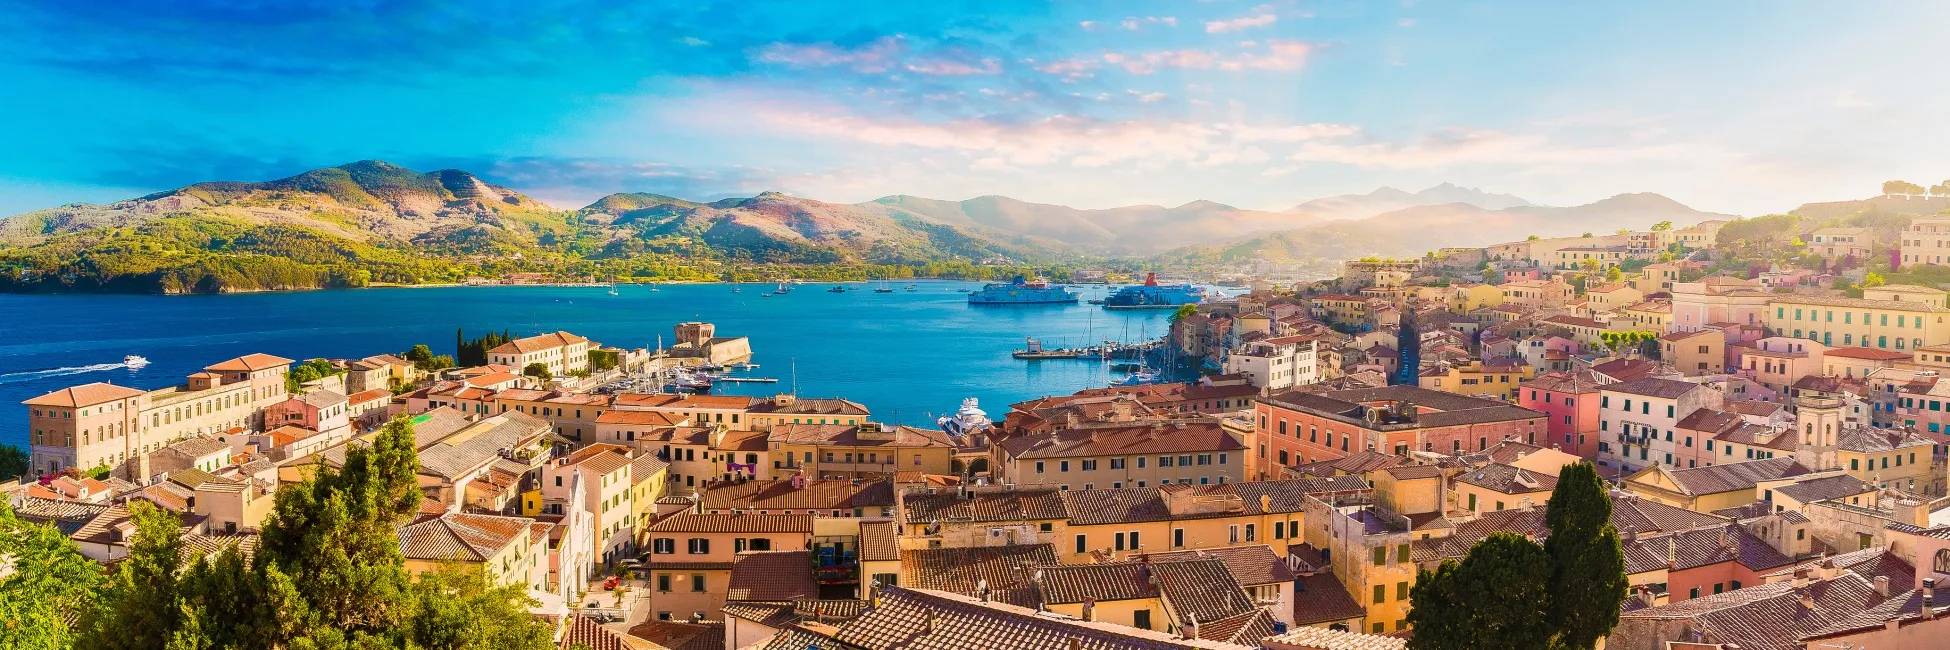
{"x": 84, "y": 395}
{"x": 1868, "y": 563}
{"x": 738, "y": 522}
{"x": 1010, "y": 505}
{"x": 1754, "y": 408}
{"x": 1137, "y": 439}
{"x": 1653, "y": 387}
{"x": 1691, "y": 549}
{"x": 1577, "y": 383}
{"x": 772, "y": 575}
{"x": 1768, "y": 616}
{"x": 373, "y": 395}
{"x": 250, "y": 363}
{"x": 847, "y": 435}
{"x": 1871, "y": 354}
{"x": 1508, "y": 479}
{"x": 583, "y": 633}
{"x": 1008, "y": 570}
{"x": 537, "y": 343}
{"x": 1320, "y": 638}
{"x": 640, "y": 418}
{"x": 1710, "y": 420}
{"x": 678, "y": 635}
{"x": 1321, "y": 598}
{"x": 600, "y": 458}
{"x": 878, "y": 542}
{"x": 817, "y": 495}
{"x": 1832, "y": 487}
{"x": 1104, "y": 581}
{"x": 459, "y": 536}
{"x": 1126, "y": 505}
{"x": 1251, "y": 565}
{"x": 1727, "y": 477}
{"x": 920, "y": 619}
{"x": 812, "y": 406}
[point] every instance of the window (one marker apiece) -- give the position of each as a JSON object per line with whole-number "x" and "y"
{"x": 697, "y": 582}
{"x": 1063, "y": 466}
{"x": 1401, "y": 591}
{"x": 1249, "y": 533}
{"x": 1082, "y": 544}
{"x": 700, "y": 546}
{"x": 1164, "y": 461}
{"x": 663, "y": 582}
{"x": 1039, "y": 465}
{"x": 1141, "y": 619}
{"x": 1116, "y": 463}
{"x": 1380, "y": 594}
{"x": 663, "y": 545}
{"x": 1380, "y": 555}
{"x": 1401, "y": 553}
{"x": 1120, "y": 540}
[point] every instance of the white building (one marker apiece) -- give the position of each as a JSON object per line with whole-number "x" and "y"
{"x": 1638, "y": 422}
{"x": 1276, "y": 364}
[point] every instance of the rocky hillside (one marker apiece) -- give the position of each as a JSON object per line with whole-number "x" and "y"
{"x": 1127, "y": 230}
{"x": 1415, "y": 230}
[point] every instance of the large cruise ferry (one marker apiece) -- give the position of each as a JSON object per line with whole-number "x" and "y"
{"x": 1152, "y": 295}
{"x": 1021, "y": 291}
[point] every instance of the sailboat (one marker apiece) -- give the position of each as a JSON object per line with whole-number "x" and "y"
{"x": 884, "y": 288}
{"x": 612, "y": 288}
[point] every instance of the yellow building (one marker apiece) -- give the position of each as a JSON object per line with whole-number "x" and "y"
{"x": 508, "y": 550}
{"x": 1695, "y": 353}
{"x": 1712, "y": 487}
{"x": 1120, "y": 522}
{"x": 1469, "y": 296}
{"x": 1892, "y": 317}
{"x": 1888, "y": 458}
{"x": 1496, "y": 486}
{"x": 1613, "y": 297}
{"x": 864, "y": 450}
{"x": 650, "y": 476}
{"x": 1478, "y": 380}
{"x": 1340, "y": 308}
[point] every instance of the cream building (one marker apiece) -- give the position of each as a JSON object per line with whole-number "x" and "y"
{"x": 562, "y": 352}
{"x": 100, "y": 424}
{"x": 1893, "y": 317}
{"x": 1926, "y": 241}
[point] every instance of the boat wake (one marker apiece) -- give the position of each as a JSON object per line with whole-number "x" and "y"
{"x": 31, "y": 375}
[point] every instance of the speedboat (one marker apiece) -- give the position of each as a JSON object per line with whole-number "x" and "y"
{"x": 134, "y": 361}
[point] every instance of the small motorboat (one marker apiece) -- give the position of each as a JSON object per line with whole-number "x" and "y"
{"x": 837, "y": 289}
{"x": 134, "y": 361}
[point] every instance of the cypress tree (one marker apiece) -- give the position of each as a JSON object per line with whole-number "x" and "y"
{"x": 1495, "y": 599}
{"x": 142, "y": 608}
{"x": 1587, "y": 563}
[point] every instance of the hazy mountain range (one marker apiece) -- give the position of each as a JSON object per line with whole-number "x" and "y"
{"x": 370, "y": 209}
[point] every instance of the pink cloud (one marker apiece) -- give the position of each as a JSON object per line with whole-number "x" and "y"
{"x": 1260, "y": 17}
{"x": 878, "y": 56}
{"x": 1279, "y": 55}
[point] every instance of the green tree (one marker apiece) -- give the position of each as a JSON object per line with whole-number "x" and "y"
{"x": 538, "y": 370}
{"x": 420, "y": 355}
{"x": 336, "y": 533}
{"x": 455, "y": 607}
{"x": 1874, "y": 279}
{"x": 1614, "y": 274}
{"x": 1535, "y": 238}
{"x": 238, "y": 606}
{"x": 1453, "y": 610}
{"x": 1587, "y": 580}
{"x": 1183, "y": 312}
{"x": 13, "y": 462}
{"x": 47, "y": 586}
{"x": 1663, "y": 225}
{"x": 142, "y": 608}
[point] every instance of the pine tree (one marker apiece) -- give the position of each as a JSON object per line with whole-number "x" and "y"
{"x": 142, "y": 608}
{"x": 51, "y": 584}
{"x": 1587, "y": 563}
{"x": 1495, "y": 599}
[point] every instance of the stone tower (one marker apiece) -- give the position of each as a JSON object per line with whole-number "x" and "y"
{"x": 1819, "y": 423}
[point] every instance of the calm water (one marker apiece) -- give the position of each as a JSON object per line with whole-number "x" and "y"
{"x": 907, "y": 355}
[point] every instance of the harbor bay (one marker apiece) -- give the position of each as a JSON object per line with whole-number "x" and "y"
{"x": 910, "y": 356}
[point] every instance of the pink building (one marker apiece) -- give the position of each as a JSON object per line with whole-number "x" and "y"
{"x": 1777, "y": 362}
{"x": 321, "y": 410}
{"x": 1570, "y": 404}
{"x": 1528, "y": 273}
{"x": 1718, "y": 300}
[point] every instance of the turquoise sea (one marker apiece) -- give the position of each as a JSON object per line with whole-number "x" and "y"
{"x": 908, "y": 356}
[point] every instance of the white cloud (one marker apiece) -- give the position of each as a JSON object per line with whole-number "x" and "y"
{"x": 694, "y": 41}
{"x": 1087, "y": 25}
{"x": 1850, "y": 99}
{"x": 1280, "y": 55}
{"x": 1261, "y": 16}
{"x": 954, "y": 68}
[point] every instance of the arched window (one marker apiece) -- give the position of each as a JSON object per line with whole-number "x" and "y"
{"x": 1943, "y": 560}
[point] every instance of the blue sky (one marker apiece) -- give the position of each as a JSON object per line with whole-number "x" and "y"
{"x": 1740, "y": 107}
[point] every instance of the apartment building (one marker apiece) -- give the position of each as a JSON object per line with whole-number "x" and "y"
{"x": 1120, "y": 455}
{"x": 692, "y": 556}
{"x": 104, "y": 425}
{"x": 1926, "y": 241}
{"x": 1891, "y": 317}
{"x": 1300, "y": 428}
{"x": 561, "y": 352}
{"x": 1276, "y": 364}
{"x": 1638, "y": 422}
{"x": 1569, "y": 402}
{"x": 605, "y": 470}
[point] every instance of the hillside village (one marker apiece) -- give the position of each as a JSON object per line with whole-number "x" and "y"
{"x": 1768, "y": 435}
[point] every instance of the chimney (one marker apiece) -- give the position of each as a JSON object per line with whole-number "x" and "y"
{"x": 982, "y": 589}
{"x": 1882, "y": 586}
{"x": 1191, "y": 628}
{"x": 1807, "y": 599}
{"x": 1929, "y": 598}
{"x": 1090, "y": 608}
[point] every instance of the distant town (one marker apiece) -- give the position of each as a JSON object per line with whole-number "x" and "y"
{"x": 1745, "y": 414}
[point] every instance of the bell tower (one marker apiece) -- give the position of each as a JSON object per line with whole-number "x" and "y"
{"x": 1819, "y": 425}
